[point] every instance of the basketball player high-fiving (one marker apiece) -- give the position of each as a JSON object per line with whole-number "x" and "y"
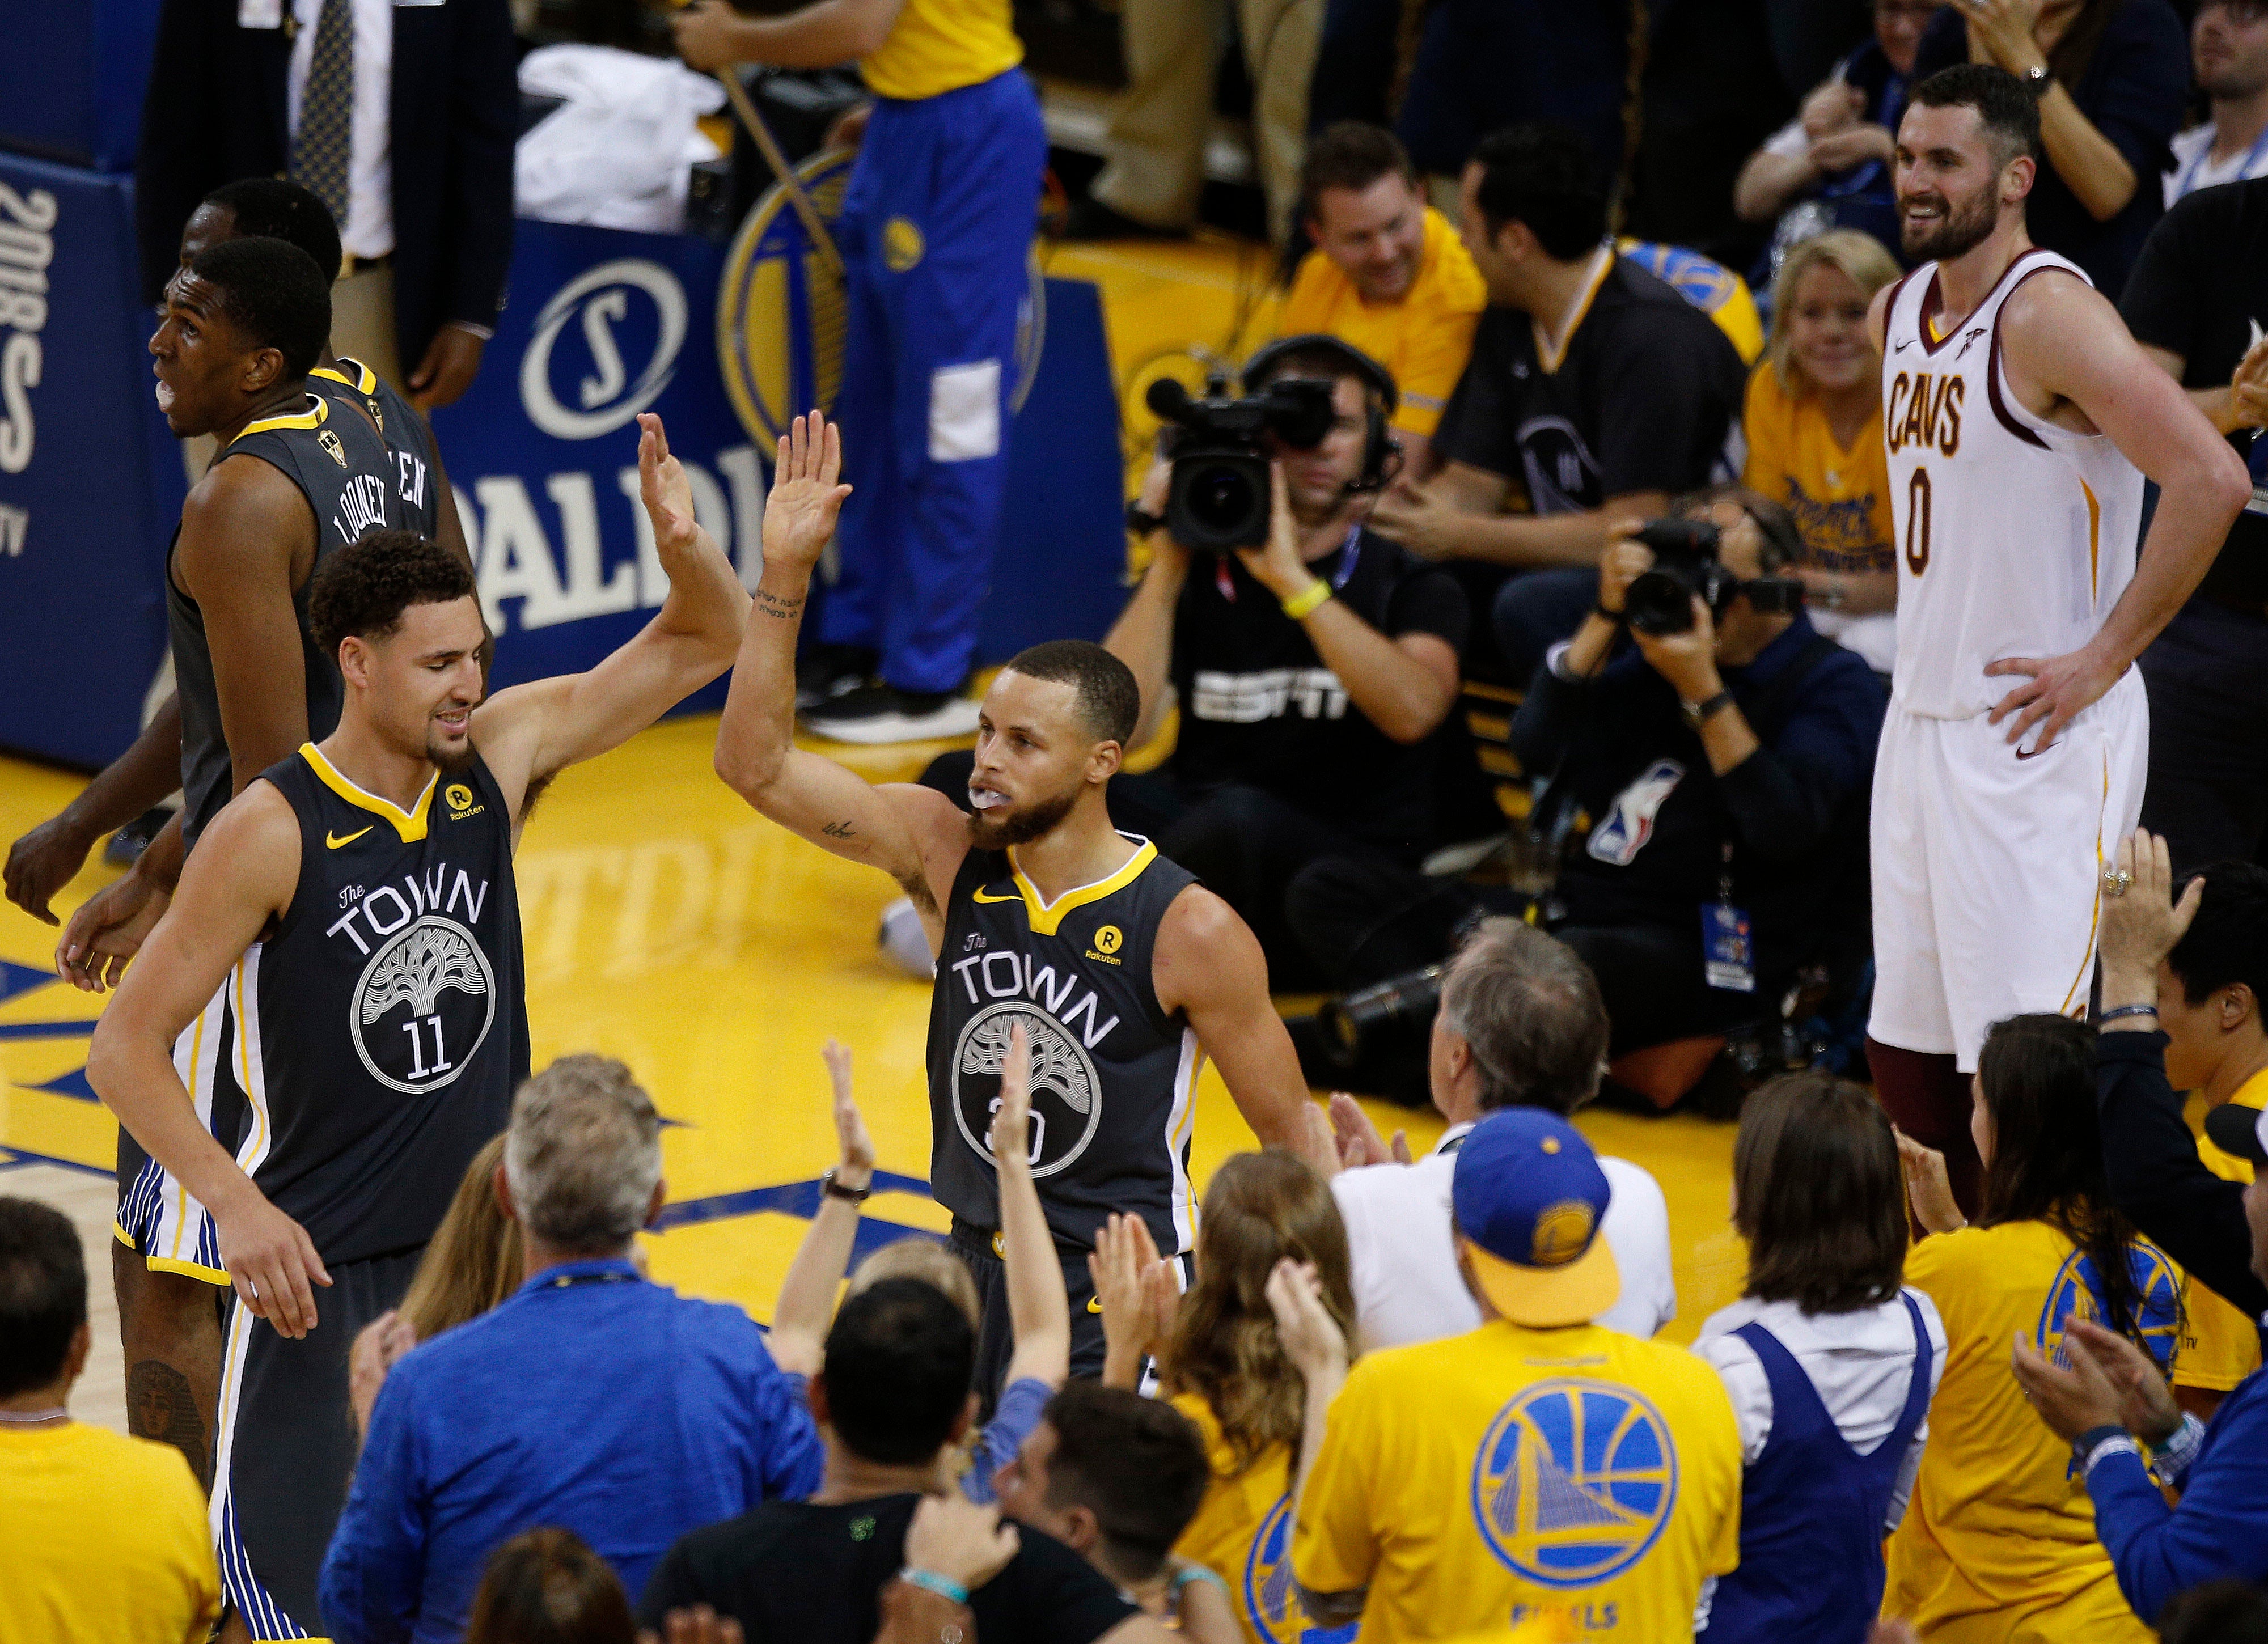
{"x": 2021, "y": 418}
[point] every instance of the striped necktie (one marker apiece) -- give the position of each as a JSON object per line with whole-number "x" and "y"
{"x": 320, "y": 148}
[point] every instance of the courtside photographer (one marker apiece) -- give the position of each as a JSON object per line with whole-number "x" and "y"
{"x": 1312, "y": 661}
{"x": 1705, "y": 755}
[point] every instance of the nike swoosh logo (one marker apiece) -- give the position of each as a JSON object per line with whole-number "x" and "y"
{"x": 980, "y": 896}
{"x": 1899, "y": 347}
{"x": 1094, "y": 1304}
{"x": 2035, "y": 753}
{"x": 334, "y": 841}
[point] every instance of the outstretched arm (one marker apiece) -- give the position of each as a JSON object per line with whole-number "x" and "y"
{"x": 1039, "y": 1314}
{"x": 1208, "y": 966}
{"x": 2064, "y": 341}
{"x": 806, "y": 1297}
{"x": 915, "y": 836}
{"x": 535, "y": 730}
{"x": 244, "y": 875}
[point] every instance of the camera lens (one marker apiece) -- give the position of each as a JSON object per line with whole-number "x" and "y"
{"x": 1221, "y": 498}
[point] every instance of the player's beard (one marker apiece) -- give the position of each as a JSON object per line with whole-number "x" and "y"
{"x": 989, "y": 830}
{"x": 449, "y": 760}
{"x": 1959, "y": 231}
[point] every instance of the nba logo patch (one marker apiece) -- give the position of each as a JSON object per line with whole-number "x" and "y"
{"x": 1272, "y": 1597}
{"x": 1575, "y": 1482}
{"x": 1618, "y": 839}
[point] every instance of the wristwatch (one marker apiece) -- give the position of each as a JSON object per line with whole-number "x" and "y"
{"x": 834, "y": 1189}
{"x": 1141, "y": 522}
{"x": 1699, "y": 712}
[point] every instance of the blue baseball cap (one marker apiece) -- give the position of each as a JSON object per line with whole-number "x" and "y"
{"x": 1529, "y": 1198}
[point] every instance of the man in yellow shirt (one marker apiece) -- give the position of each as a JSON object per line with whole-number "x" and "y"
{"x": 936, "y": 237}
{"x": 100, "y": 1536}
{"x": 1540, "y": 1468}
{"x": 1388, "y": 275}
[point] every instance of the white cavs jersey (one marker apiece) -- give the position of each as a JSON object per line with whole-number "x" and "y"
{"x": 2014, "y": 537}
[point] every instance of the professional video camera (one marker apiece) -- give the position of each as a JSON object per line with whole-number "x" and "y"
{"x": 1219, "y": 499}
{"x": 1660, "y": 599}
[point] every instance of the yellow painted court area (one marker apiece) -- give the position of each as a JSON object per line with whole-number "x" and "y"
{"x": 668, "y": 924}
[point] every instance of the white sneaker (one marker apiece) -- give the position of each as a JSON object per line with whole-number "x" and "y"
{"x": 903, "y": 941}
{"x": 882, "y": 713}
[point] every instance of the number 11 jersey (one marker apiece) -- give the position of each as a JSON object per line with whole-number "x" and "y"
{"x": 2014, "y": 537}
{"x": 382, "y": 1022}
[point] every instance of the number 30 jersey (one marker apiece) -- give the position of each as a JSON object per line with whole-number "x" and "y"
{"x": 1113, "y": 1077}
{"x": 382, "y": 1022}
{"x": 2014, "y": 537}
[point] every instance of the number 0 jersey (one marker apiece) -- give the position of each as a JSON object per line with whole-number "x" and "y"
{"x": 1112, "y": 1075}
{"x": 382, "y": 1022}
{"x": 2014, "y": 537}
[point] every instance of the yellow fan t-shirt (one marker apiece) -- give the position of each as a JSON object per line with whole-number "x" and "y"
{"x": 1242, "y": 1533}
{"x": 1997, "y": 1546}
{"x": 939, "y": 46}
{"x": 1424, "y": 340}
{"x": 1576, "y": 1481}
{"x": 1840, "y": 495}
{"x": 2219, "y": 1345}
{"x": 102, "y": 1538}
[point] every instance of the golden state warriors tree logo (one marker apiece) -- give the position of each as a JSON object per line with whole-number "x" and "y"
{"x": 1574, "y": 1481}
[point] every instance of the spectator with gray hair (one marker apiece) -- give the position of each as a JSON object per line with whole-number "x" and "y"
{"x": 591, "y": 1399}
{"x": 1521, "y": 1024}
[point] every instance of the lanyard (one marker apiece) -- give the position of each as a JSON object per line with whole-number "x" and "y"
{"x": 2182, "y": 184}
{"x": 1349, "y": 554}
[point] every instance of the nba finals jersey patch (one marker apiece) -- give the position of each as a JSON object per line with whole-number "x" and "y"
{"x": 901, "y": 244}
{"x": 1575, "y": 1482}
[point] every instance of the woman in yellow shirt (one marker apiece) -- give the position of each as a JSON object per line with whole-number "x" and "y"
{"x": 1222, "y": 1362}
{"x": 1813, "y": 422}
{"x": 1999, "y": 1544}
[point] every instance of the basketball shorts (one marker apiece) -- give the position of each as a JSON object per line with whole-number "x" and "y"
{"x": 979, "y": 1250}
{"x": 285, "y": 1452}
{"x": 157, "y": 1218}
{"x": 1987, "y": 868}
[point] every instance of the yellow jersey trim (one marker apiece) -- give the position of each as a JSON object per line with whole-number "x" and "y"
{"x": 1550, "y": 357}
{"x": 410, "y": 823}
{"x": 188, "y": 1269}
{"x": 118, "y": 1233}
{"x": 318, "y": 413}
{"x": 363, "y": 384}
{"x": 1046, "y": 916}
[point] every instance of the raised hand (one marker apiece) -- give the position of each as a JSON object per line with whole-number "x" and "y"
{"x": 1011, "y": 1115}
{"x": 806, "y": 497}
{"x": 1926, "y": 1185}
{"x": 1312, "y": 1338}
{"x": 665, "y": 492}
{"x": 858, "y": 1166}
{"x": 2141, "y": 924}
{"x": 1122, "y": 1265}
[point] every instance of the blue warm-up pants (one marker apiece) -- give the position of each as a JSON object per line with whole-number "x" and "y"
{"x": 936, "y": 236}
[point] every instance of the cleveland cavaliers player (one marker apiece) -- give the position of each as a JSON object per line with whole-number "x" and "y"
{"x": 356, "y": 903}
{"x": 1125, "y": 973}
{"x": 2018, "y": 412}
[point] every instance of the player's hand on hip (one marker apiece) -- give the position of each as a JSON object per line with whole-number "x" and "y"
{"x": 806, "y": 497}
{"x": 106, "y": 931}
{"x": 856, "y": 1169}
{"x": 2055, "y": 691}
{"x": 271, "y": 1261}
{"x": 43, "y": 862}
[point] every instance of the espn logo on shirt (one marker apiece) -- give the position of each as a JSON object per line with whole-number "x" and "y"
{"x": 1246, "y": 699}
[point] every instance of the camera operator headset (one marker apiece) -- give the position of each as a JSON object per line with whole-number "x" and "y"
{"x": 1261, "y": 479}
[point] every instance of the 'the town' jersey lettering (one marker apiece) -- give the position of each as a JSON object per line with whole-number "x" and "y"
{"x": 346, "y": 473}
{"x": 384, "y": 1017}
{"x": 1112, "y": 1075}
{"x": 2014, "y": 537}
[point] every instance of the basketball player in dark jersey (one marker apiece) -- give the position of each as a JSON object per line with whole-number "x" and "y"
{"x": 1125, "y": 971}
{"x": 357, "y": 902}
